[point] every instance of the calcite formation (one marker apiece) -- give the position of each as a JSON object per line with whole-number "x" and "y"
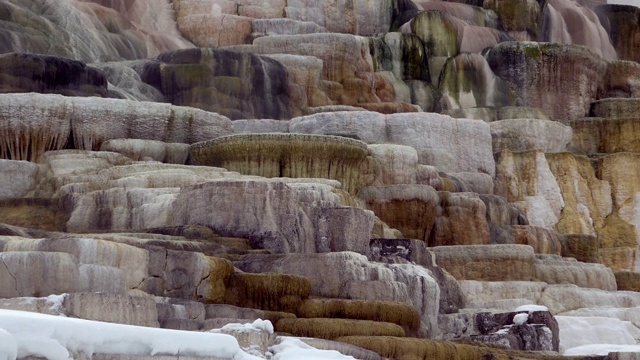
{"x": 385, "y": 177}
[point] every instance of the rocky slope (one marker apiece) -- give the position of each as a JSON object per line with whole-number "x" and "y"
{"x": 399, "y": 179}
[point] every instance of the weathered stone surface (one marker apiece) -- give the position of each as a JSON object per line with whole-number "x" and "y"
{"x": 48, "y": 121}
{"x": 605, "y": 135}
{"x": 347, "y": 77}
{"x": 409, "y": 249}
{"x": 222, "y": 81}
{"x": 28, "y": 273}
{"x": 621, "y": 228}
{"x": 557, "y": 298}
{"x": 365, "y": 126}
{"x": 411, "y": 209}
{"x": 616, "y": 108}
{"x": 192, "y": 275}
{"x": 101, "y": 30}
{"x": 520, "y": 112}
{"x": 621, "y": 80}
{"x": 394, "y": 164}
{"x": 26, "y": 73}
{"x": 409, "y": 129}
{"x": 358, "y": 17}
{"x": 413, "y": 284}
{"x": 172, "y": 153}
{"x": 623, "y": 28}
{"x": 562, "y": 80}
{"x": 131, "y": 261}
{"x": 254, "y": 126}
{"x": 581, "y": 247}
{"x": 289, "y": 155}
{"x": 272, "y": 292}
{"x": 460, "y": 220}
{"x": 627, "y": 280}
{"x": 467, "y": 81}
{"x": 543, "y": 241}
{"x": 559, "y": 191}
{"x": 121, "y": 309}
{"x": 17, "y": 178}
{"x": 241, "y": 209}
{"x": 487, "y": 262}
{"x": 530, "y": 134}
{"x": 554, "y": 269}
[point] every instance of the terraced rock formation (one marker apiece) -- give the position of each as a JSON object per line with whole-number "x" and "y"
{"x": 392, "y": 180}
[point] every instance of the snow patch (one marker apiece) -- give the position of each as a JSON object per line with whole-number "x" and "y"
{"x": 521, "y": 319}
{"x": 8, "y": 346}
{"x": 259, "y": 324}
{"x": 531, "y": 308}
{"x": 294, "y": 349}
{"x": 31, "y": 331}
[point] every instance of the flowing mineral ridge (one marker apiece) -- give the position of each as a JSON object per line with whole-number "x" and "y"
{"x": 390, "y": 179}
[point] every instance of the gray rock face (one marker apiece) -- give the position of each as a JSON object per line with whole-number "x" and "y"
{"x": 16, "y": 178}
{"x": 276, "y": 216}
{"x": 530, "y": 134}
{"x": 37, "y": 274}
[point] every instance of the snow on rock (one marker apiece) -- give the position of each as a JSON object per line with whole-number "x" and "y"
{"x": 294, "y": 349}
{"x": 578, "y": 332}
{"x": 258, "y": 324}
{"x": 8, "y": 346}
{"x": 531, "y": 308}
{"x": 601, "y": 349}
{"x": 53, "y": 337}
{"x": 521, "y": 319}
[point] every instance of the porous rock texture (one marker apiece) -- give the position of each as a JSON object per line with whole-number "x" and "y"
{"x": 380, "y": 176}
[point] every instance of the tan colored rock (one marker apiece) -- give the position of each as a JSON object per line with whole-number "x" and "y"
{"x": 605, "y": 135}
{"x": 542, "y": 240}
{"x": 411, "y": 209}
{"x": 530, "y": 134}
{"x": 627, "y": 281}
{"x": 487, "y": 262}
{"x": 619, "y": 170}
{"x": 460, "y": 220}
{"x": 90, "y": 116}
{"x": 348, "y": 76}
{"x": 582, "y": 247}
{"x": 586, "y": 198}
{"x": 192, "y": 275}
{"x": 272, "y": 292}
